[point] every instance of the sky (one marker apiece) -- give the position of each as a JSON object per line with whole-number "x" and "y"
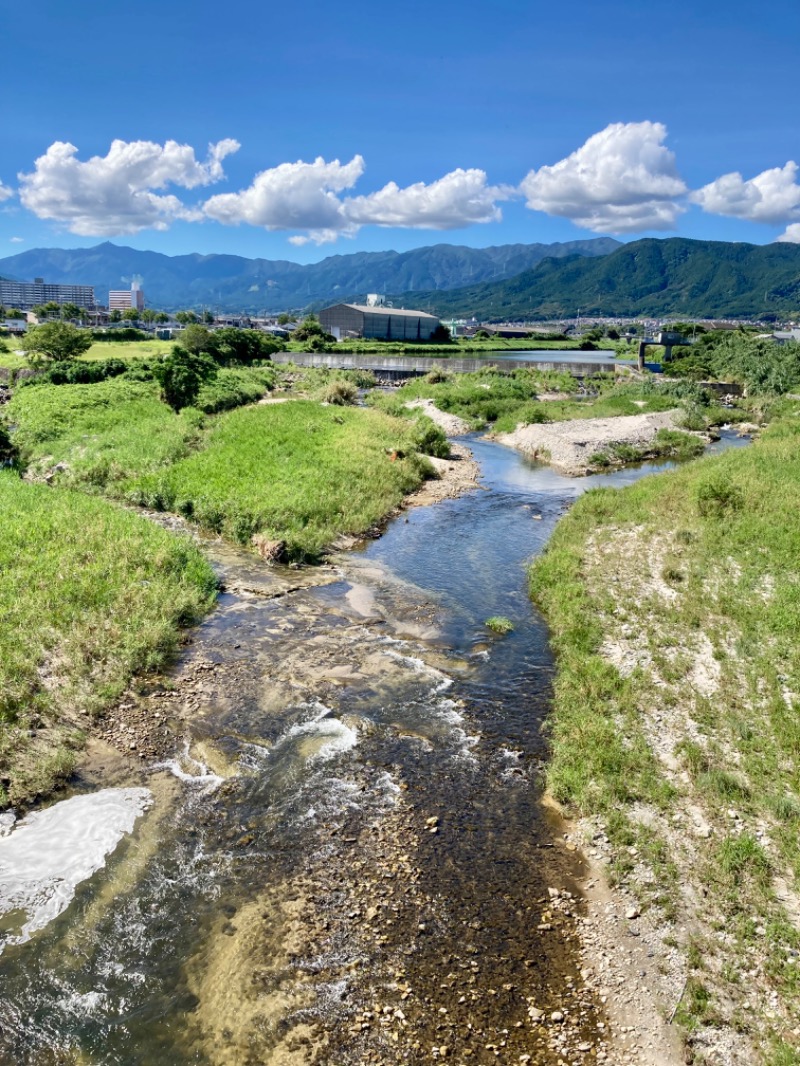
{"x": 308, "y": 129}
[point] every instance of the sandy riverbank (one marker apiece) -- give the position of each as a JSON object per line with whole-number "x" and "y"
{"x": 569, "y": 446}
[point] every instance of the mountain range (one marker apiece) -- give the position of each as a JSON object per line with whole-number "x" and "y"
{"x": 673, "y": 276}
{"x": 234, "y": 283}
{"x": 599, "y": 276}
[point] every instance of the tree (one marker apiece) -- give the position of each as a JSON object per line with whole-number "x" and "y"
{"x": 196, "y": 338}
{"x": 208, "y": 318}
{"x": 309, "y": 328}
{"x": 161, "y": 317}
{"x": 70, "y": 312}
{"x": 148, "y": 316}
{"x": 441, "y": 335}
{"x": 185, "y": 317}
{"x": 130, "y": 314}
{"x": 284, "y": 319}
{"x": 47, "y": 310}
{"x": 243, "y": 345}
{"x": 115, "y": 316}
{"x": 56, "y": 341}
{"x": 181, "y": 375}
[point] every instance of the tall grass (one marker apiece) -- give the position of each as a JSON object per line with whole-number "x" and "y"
{"x": 89, "y": 596}
{"x": 102, "y": 433}
{"x": 116, "y": 429}
{"x": 297, "y": 472}
{"x": 721, "y": 536}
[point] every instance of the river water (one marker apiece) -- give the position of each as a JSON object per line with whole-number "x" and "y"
{"x": 350, "y": 862}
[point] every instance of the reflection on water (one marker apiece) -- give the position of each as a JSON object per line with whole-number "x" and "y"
{"x": 366, "y": 728}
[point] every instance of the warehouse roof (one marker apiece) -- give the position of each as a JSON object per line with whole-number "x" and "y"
{"x": 369, "y": 310}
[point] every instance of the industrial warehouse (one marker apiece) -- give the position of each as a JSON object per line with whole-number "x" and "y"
{"x": 377, "y": 322}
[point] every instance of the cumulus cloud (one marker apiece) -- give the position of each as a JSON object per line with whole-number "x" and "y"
{"x": 5, "y": 192}
{"x": 113, "y": 194}
{"x": 772, "y": 196}
{"x": 792, "y": 234}
{"x": 460, "y": 198}
{"x": 299, "y": 195}
{"x": 622, "y": 180}
{"x": 17, "y": 240}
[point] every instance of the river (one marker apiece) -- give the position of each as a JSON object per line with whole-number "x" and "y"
{"x": 351, "y": 861}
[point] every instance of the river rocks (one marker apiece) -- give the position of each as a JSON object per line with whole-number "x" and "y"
{"x": 271, "y": 551}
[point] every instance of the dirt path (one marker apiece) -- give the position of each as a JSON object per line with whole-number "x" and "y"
{"x": 569, "y": 446}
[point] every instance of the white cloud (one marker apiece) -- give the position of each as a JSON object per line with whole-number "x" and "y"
{"x": 306, "y": 196}
{"x": 792, "y": 234}
{"x": 5, "y": 192}
{"x": 622, "y": 180}
{"x": 113, "y": 194}
{"x": 772, "y": 196}
{"x": 299, "y": 195}
{"x": 460, "y": 198}
{"x": 17, "y": 240}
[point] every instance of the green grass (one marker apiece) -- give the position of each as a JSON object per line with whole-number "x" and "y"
{"x": 103, "y": 433}
{"x": 506, "y": 400}
{"x": 720, "y": 534}
{"x": 128, "y": 350}
{"x": 117, "y": 429}
{"x": 499, "y": 624}
{"x": 297, "y": 472}
{"x": 90, "y": 595}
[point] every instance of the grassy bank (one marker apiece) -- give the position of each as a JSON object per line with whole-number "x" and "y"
{"x": 299, "y": 472}
{"x": 506, "y": 400}
{"x": 674, "y": 607}
{"x": 89, "y": 596}
{"x": 96, "y": 436}
{"x": 296, "y": 472}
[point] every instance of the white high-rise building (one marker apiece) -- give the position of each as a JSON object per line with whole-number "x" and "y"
{"x": 124, "y": 299}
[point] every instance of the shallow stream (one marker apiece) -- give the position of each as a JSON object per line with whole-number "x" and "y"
{"x": 350, "y": 863}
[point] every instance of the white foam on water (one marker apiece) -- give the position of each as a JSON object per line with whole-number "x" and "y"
{"x": 419, "y": 666}
{"x": 328, "y": 735}
{"x": 191, "y": 771}
{"x": 50, "y": 852}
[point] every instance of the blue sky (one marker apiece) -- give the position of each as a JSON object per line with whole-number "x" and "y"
{"x": 412, "y": 124}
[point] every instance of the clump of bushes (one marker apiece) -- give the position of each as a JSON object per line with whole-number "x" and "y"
{"x": 499, "y": 624}
{"x": 340, "y": 393}
{"x": 429, "y": 439}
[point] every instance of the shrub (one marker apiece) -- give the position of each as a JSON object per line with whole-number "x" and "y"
{"x": 181, "y": 374}
{"x": 499, "y": 624}
{"x": 68, "y": 373}
{"x": 341, "y": 393}
{"x": 430, "y": 440}
{"x": 436, "y": 376}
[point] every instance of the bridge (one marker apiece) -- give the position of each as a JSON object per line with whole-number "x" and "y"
{"x": 667, "y": 339}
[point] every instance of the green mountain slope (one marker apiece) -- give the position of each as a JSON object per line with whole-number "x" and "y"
{"x": 648, "y": 277}
{"x": 234, "y": 283}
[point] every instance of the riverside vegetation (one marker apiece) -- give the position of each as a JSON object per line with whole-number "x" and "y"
{"x": 93, "y": 595}
{"x": 674, "y": 611}
{"x": 673, "y": 607}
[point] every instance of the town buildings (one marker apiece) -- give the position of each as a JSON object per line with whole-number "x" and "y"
{"x": 125, "y": 299}
{"x": 24, "y": 295}
{"x": 377, "y": 322}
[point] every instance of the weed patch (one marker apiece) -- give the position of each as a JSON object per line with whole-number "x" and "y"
{"x": 89, "y": 596}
